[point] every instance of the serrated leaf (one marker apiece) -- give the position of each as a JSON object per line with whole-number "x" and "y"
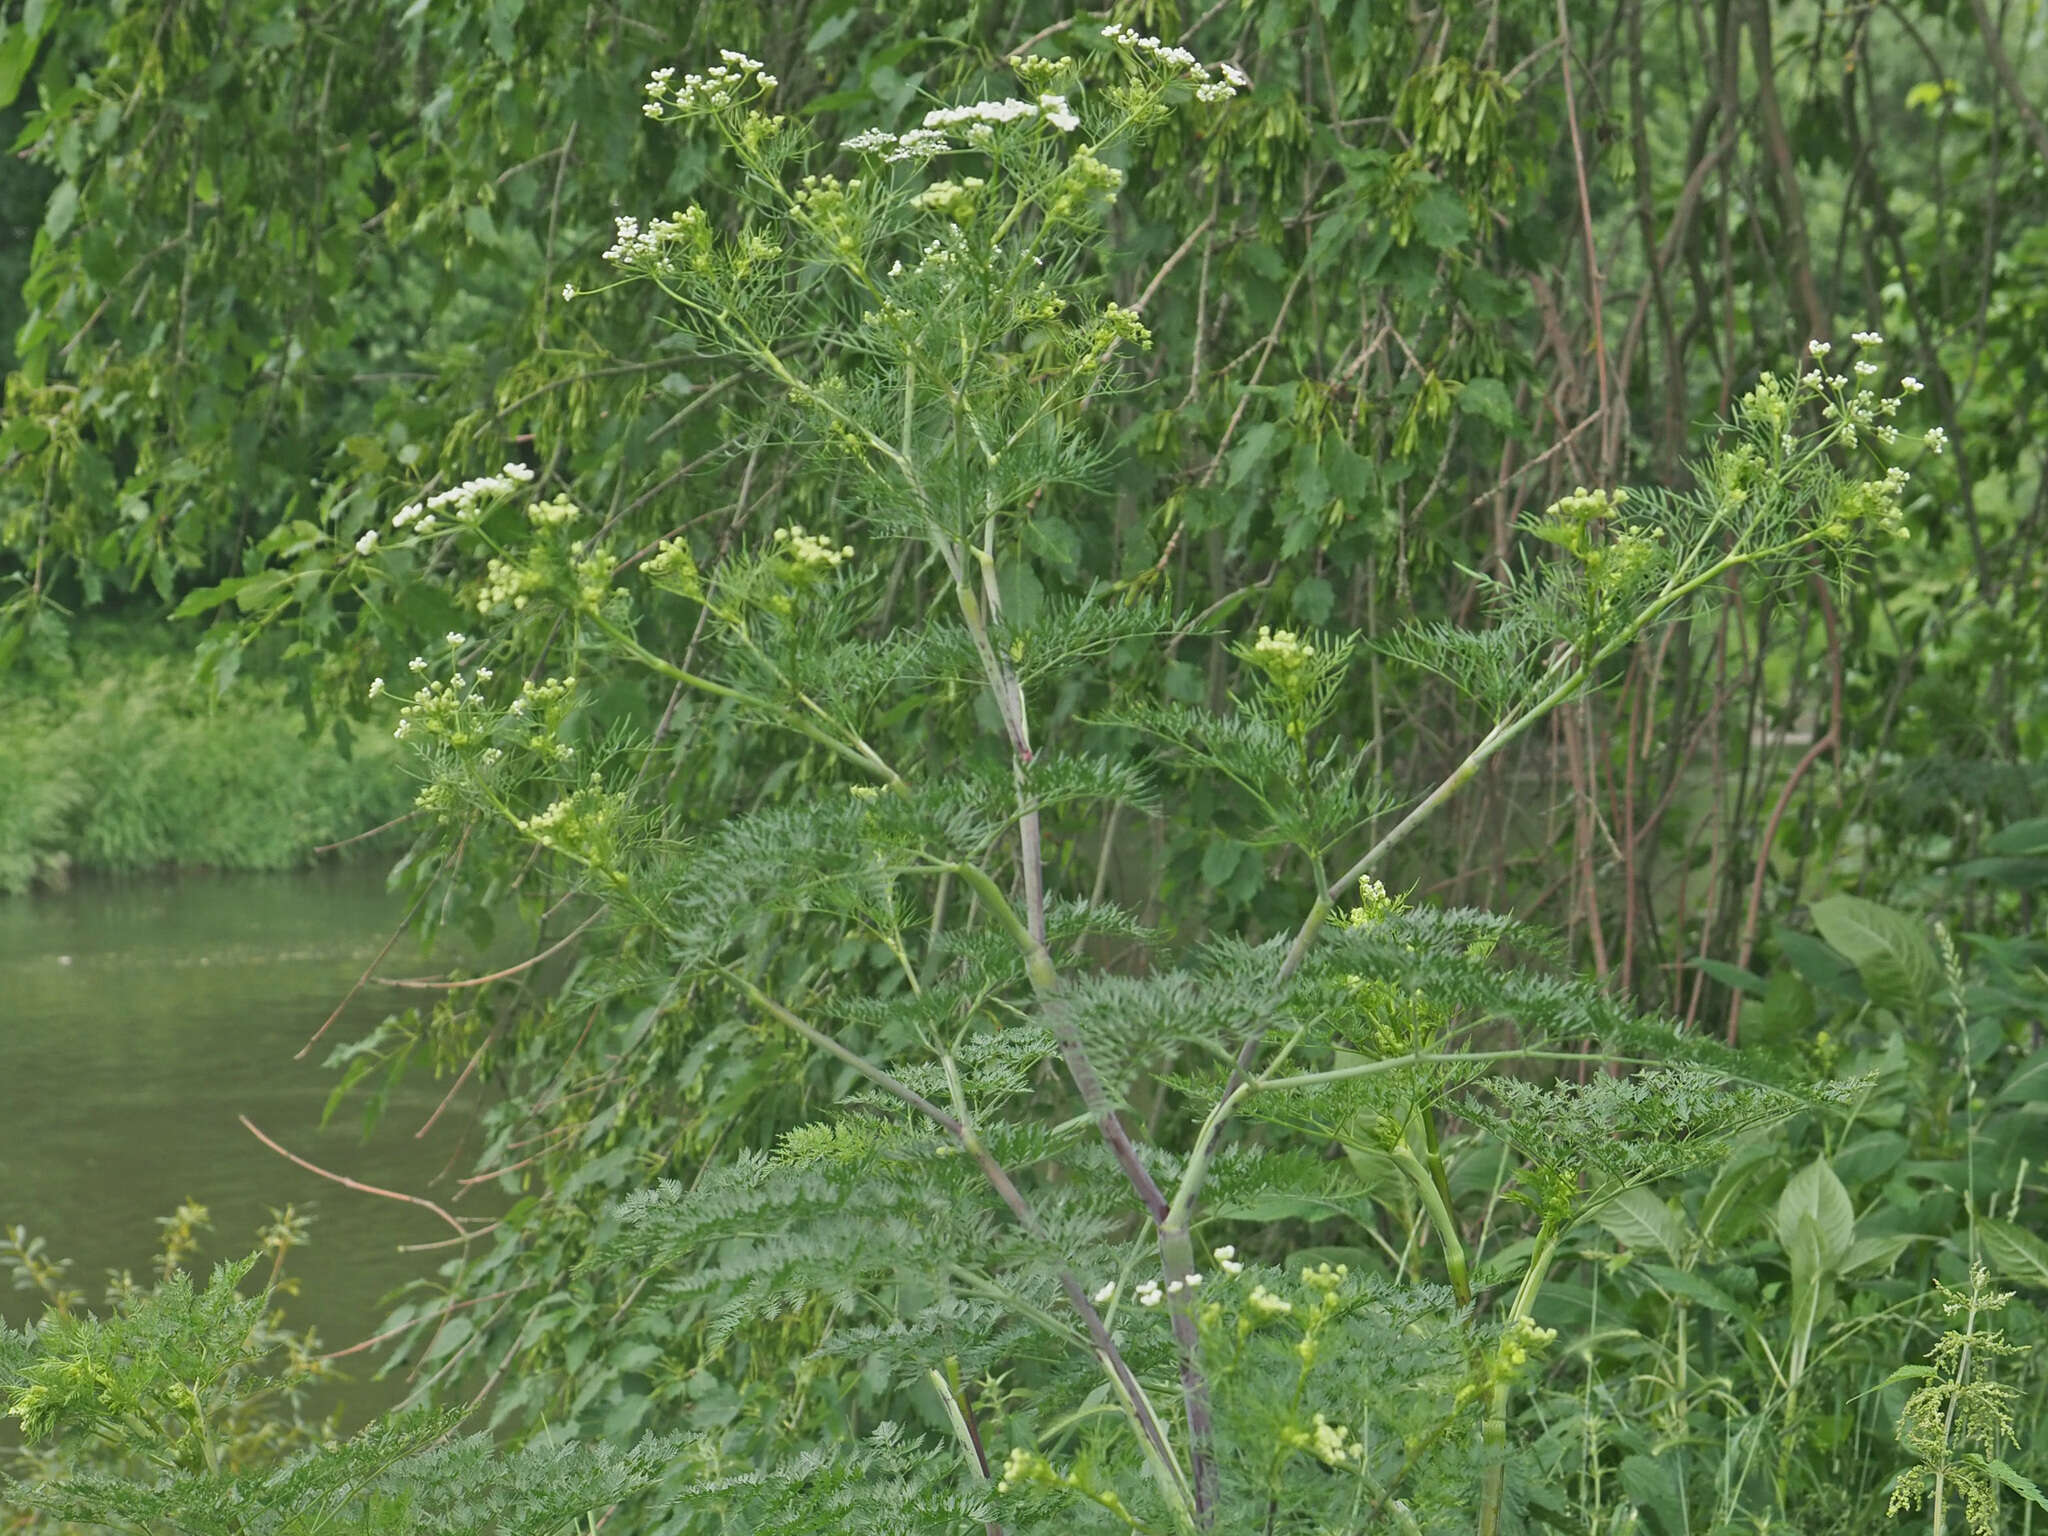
{"x": 1489, "y": 400}
{"x": 1652, "y": 1484}
{"x": 1219, "y": 861}
{"x": 2014, "y": 1480}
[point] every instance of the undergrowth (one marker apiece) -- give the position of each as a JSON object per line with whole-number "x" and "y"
{"x": 116, "y": 757}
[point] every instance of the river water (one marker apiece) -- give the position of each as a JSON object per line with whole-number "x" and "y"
{"x": 140, "y": 1018}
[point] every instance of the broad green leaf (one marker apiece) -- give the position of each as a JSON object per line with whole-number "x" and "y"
{"x": 1730, "y": 975}
{"x": 2022, "y": 839}
{"x": 2019, "y": 873}
{"x": 1868, "y": 1158}
{"x": 1810, "y": 1290}
{"x": 1639, "y": 1219}
{"x": 206, "y": 598}
{"x": 1876, "y": 1255}
{"x": 1219, "y": 860}
{"x": 1889, "y": 950}
{"x": 1815, "y": 1194}
{"x": 1820, "y": 965}
{"x": 2029, "y": 1080}
{"x": 1690, "y": 1285}
{"x": 1735, "y": 1200}
{"x": 1314, "y": 600}
{"x": 2014, "y": 1252}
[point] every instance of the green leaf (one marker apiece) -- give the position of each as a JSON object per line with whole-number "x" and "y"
{"x": 1055, "y": 539}
{"x": 1876, "y": 1255}
{"x": 18, "y": 45}
{"x": 62, "y": 209}
{"x": 2014, "y": 1252}
{"x": 1736, "y": 1198}
{"x": 1219, "y": 861}
{"x": 1314, "y": 601}
{"x": 1252, "y": 450}
{"x": 2029, "y": 1081}
{"x": 2022, "y": 839}
{"x": 1651, "y": 1484}
{"x": 1821, "y": 966}
{"x": 1804, "y": 1248}
{"x": 1639, "y": 1219}
{"x": 1730, "y": 975}
{"x": 1814, "y": 1194}
{"x": 1889, "y": 950}
{"x": 1440, "y": 218}
{"x": 1488, "y": 399}
{"x": 2016, "y": 1482}
{"x": 205, "y": 599}
{"x": 2021, "y": 874}
{"x": 1689, "y": 1285}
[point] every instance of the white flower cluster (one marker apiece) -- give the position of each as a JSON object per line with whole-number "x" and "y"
{"x": 1008, "y": 110}
{"x": 1226, "y": 1256}
{"x": 1282, "y": 647}
{"x": 505, "y": 583}
{"x": 554, "y": 513}
{"x": 445, "y": 712}
{"x": 952, "y": 198}
{"x": 975, "y": 123}
{"x": 635, "y": 246}
{"x": 1266, "y": 1304}
{"x": 462, "y": 502}
{"x": 1212, "y": 83}
{"x": 719, "y": 86}
{"x": 1329, "y": 1443}
{"x": 1150, "y": 1292}
{"x": 810, "y": 551}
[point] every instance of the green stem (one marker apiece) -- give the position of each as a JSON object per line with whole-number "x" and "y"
{"x": 1435, "y": 1198}
{"x": 1494, "y": 1433}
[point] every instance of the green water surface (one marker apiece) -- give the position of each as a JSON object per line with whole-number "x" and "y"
{"x": 140, "y": 1018}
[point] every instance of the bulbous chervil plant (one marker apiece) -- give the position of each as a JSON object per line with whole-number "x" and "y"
{"x": 1097, "y": 1193}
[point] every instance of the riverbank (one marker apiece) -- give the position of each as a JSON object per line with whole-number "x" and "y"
{"x": 115, "y": 757}
{"x": 146, "y": 1017}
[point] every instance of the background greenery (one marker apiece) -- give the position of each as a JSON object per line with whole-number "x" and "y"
{"x": 114, "y": 758}
{"x": 293, "y": 264}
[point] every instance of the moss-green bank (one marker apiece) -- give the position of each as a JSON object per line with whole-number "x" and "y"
{"x": 115, "y": 756}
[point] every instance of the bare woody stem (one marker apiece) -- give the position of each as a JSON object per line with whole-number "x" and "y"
{"x": 1176, "y": 1248}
